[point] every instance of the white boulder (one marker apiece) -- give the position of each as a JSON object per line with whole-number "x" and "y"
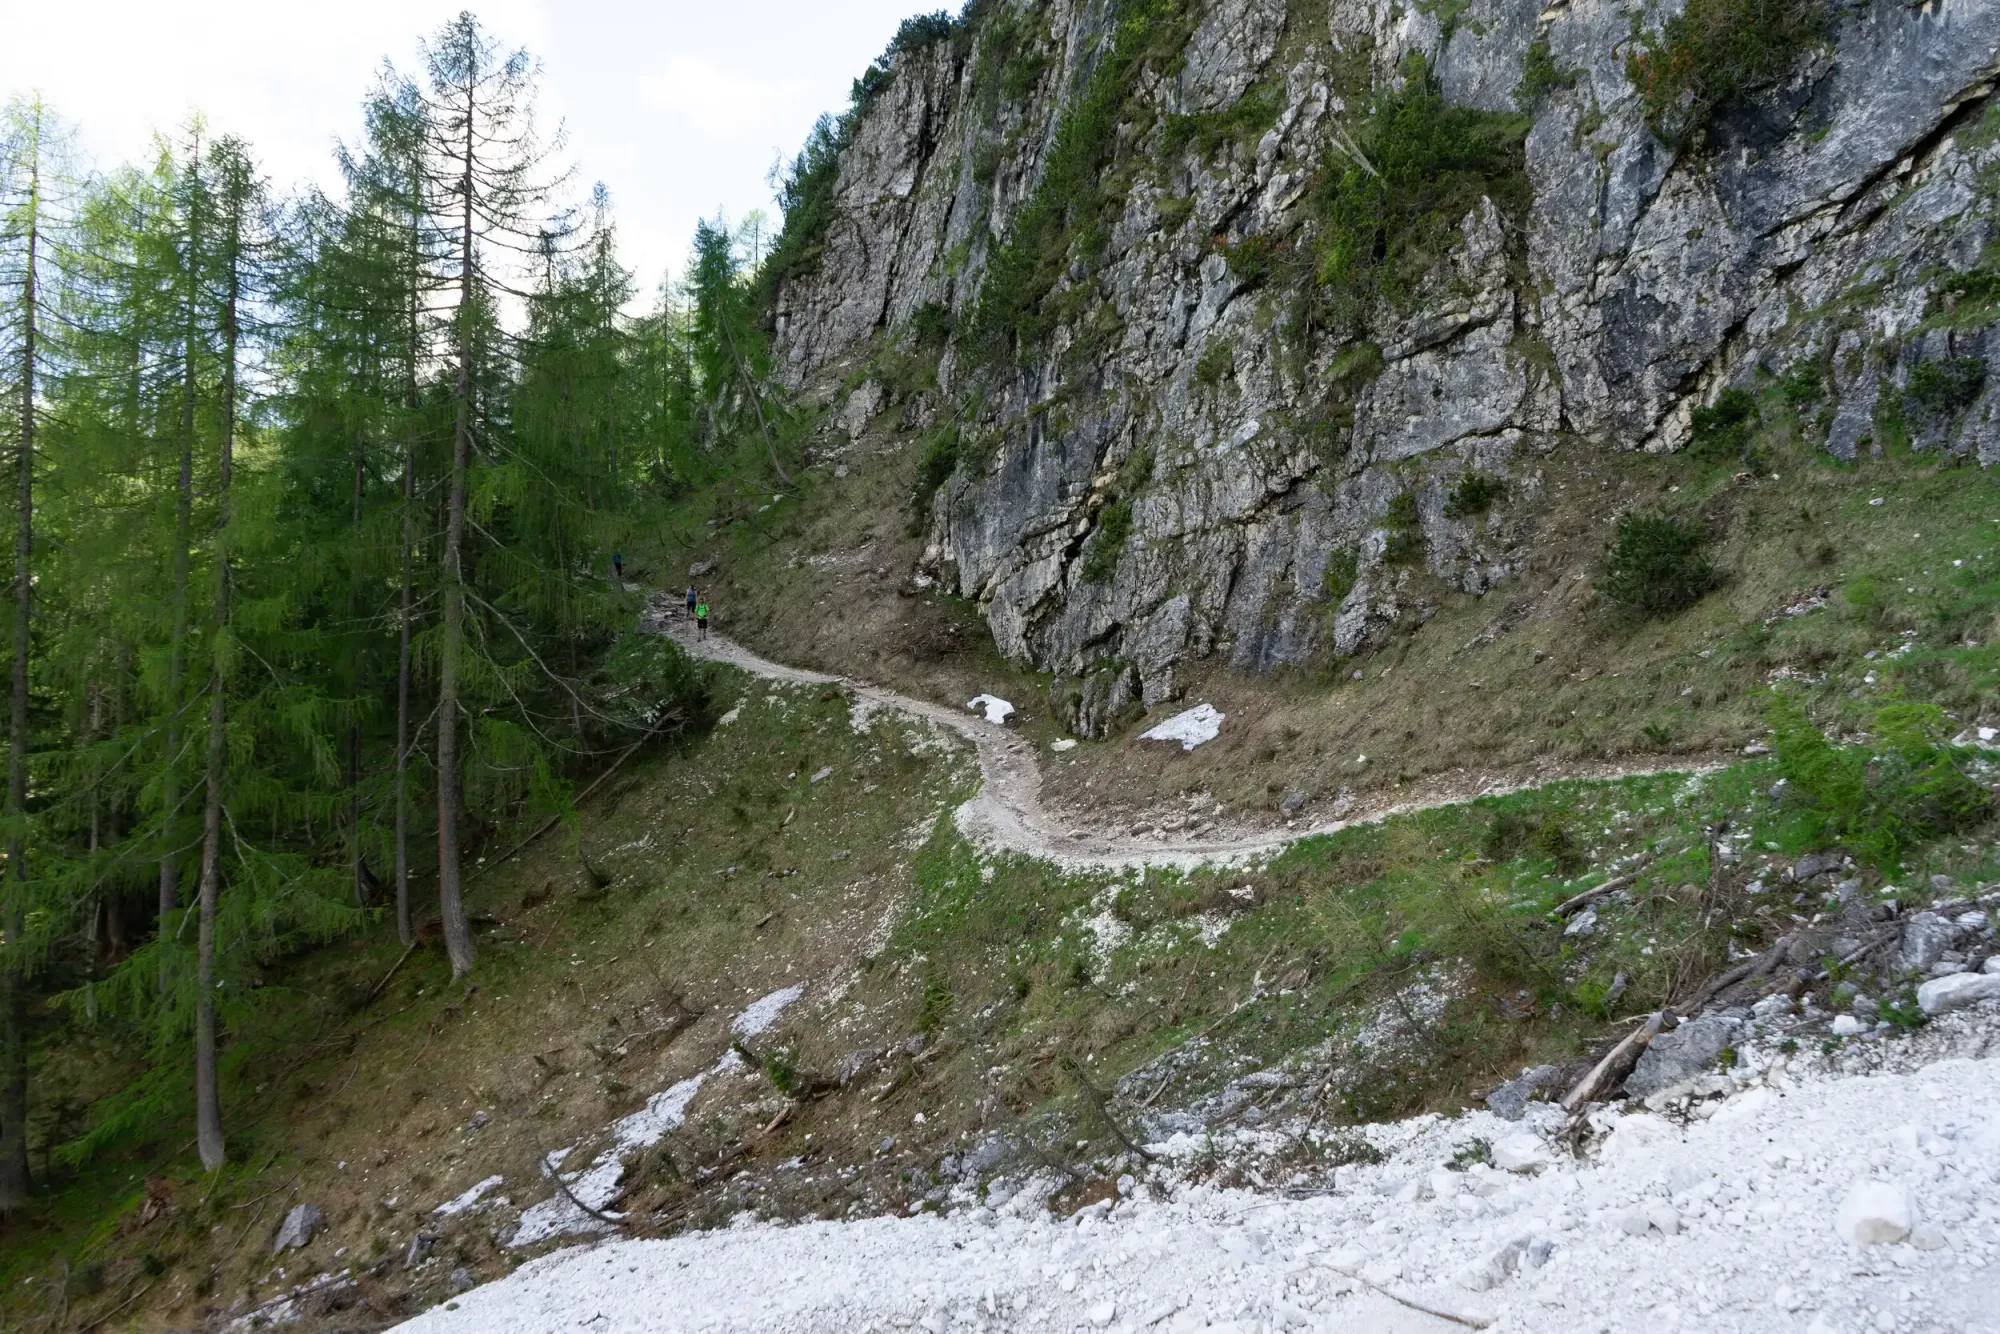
{"x": 1875, "y": 1213}
{"x": 1956, "y": 990}
{"x": 1522, "y": 1153}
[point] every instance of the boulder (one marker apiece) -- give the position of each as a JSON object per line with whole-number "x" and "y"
{"x": 1510, "y": 1101}
{"x": 1925, "y": 939}
{"x": 1957, "y": 991}
{"x": 1690, "y": 1050}
{"x": 298, "y": 1228}
{"x": 1875, "y": 1213}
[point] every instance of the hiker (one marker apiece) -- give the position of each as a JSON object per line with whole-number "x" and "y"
{"x": 700, "y": 618}
{"x": 618, "y": 567}
{"x": 690, "y": 601}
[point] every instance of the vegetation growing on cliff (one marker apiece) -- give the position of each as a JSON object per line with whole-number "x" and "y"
{"x": 1069, "y": 214}
{"x": 1715, "y": 52}
{"x": 1394, "y": 193}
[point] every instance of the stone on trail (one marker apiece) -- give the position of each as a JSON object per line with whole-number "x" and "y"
{"x": 1102, "y": 1314}
{"x": 298, "y": 1228}
{"x": 1196, "y": 727}
{"x": 1847, "y": 1026}
{"x": 1875, "y": 1213}
{"x": 1992, "y": 966}
{"x": 1957, "y": 990}
{"x": 997, "y": 710}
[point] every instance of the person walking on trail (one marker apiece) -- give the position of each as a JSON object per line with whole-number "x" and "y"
{"x": 690, "y": 601}
{"x": 618, "y": 567}
{"x": 701, "y": 620}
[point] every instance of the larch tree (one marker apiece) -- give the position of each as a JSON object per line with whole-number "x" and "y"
{"x": 486, "y": 170}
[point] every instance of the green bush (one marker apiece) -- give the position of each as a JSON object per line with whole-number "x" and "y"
{"x": 1715, "y": 52}
{"x": 1391, "y": 201}
{"x": 940, "y": 460}
{"x": 1243, "y": 122}
{"x": 1406, "y": 531}
{"x": 922, "y": 30}
{"x": 1802, "y": 386}
{"x": 1540, "y": 76}
{"x": 1218, "y": 363}
{"x": 1884, "y": 799}
{"x": 1945, "y": 385}
{"x": 1114, "y": 521}
{"x": 1476, "y": 493}
{"x": 1343, "y": 571}
{"x": 1513, "y": 834}
{"x": 1657, "y": 565}
{"x": 1107, "y": 543}
{"x": 1723, "y": 430}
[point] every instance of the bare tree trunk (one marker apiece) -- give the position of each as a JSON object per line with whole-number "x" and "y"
{"x": 451, "y": 906}
{"x": 409, "y": 573}
{"x": 208, "y": 1098}
{"x": 170, "y": 786}
{"x": 16, "y": 1177}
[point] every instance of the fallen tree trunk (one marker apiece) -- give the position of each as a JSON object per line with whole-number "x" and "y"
{"x": 1617, "y": 1062}
{"x": 1609, "y": 887}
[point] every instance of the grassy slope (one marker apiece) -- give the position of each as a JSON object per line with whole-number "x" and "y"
{"x": 734, "y": 874}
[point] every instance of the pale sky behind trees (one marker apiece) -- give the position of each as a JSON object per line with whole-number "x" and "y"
{"x": 679, "y": 107}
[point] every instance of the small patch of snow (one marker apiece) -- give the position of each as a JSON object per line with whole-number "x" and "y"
{"x": 997, "y": 710}
{"x": 762, "y": 1014}
{"x": 468, "y": 1200}
{"x": 1197, "y": 726}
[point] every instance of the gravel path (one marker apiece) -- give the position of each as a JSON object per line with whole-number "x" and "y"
{"x": 1742, "y": 1219}
{"x": 1008, "y": 812}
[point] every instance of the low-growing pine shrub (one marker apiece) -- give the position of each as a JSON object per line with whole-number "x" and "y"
{"x": 1657, "y": 565}
{"x": 1945, "y": 385}
{"x": 1476, "y": 493}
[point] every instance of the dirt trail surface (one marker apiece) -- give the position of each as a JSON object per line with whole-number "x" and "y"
{"x": 1825, "y": 1194}
{"x": 1008, "y": 811}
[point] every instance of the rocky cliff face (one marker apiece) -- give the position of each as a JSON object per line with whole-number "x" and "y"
{"x": 1206, "y": 437}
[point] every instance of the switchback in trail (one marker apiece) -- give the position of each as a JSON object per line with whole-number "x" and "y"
{"x": 1008, "y": 812}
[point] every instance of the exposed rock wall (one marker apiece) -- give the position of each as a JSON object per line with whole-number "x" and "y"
{"x": 1817, "y": 224}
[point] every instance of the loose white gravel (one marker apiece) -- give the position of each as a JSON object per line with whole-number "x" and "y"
{"x": 1730, "y": 1222}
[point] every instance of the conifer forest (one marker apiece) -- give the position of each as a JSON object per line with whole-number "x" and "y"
{"x": 314, "y": 503}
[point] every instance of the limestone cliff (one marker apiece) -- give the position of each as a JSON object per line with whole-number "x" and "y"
{"x": 1208, "y": 424}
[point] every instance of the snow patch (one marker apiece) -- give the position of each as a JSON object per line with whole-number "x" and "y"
{"x": 762, "y": 1014}
{"x": 997, "y": 710}
{"x": 468, "y": 1200}
{"x": 1198, "y": 726}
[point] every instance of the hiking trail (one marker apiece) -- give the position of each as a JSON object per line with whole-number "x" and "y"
{"x": 1008, "y": 812}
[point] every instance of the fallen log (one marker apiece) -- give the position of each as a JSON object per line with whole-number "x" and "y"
{"x": 1596, "y": 892}
{"x": 1617, "y": 1062}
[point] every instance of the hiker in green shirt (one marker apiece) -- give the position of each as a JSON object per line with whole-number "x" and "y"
{"x": 701, "y": 620}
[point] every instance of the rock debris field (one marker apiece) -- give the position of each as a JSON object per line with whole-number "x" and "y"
{"x": 1849, "y": 1187}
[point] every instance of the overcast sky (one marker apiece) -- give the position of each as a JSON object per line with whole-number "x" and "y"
{"x": 679, "y": 107}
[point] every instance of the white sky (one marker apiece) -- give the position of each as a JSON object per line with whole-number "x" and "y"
{"x": 679, "y": 107}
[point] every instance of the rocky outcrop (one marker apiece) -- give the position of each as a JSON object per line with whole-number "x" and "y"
{"x": 1179, "y": 470}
